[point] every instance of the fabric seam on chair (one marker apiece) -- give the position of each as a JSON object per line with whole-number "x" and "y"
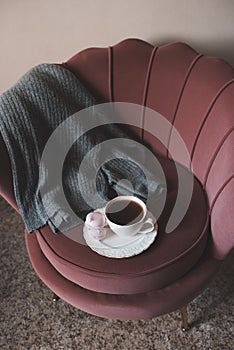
{"x": 216, "y": 154}
{"x": 219, "y": 192}
{"x": 146, "y": 88}
{"x": 207, "y": 114}
{"x": 110, "y": 74}
{"x": 186, "y": 78}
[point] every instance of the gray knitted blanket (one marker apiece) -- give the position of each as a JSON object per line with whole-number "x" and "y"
{"x": 59, "y": 177}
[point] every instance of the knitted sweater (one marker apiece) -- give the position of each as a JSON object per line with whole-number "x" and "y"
{"x": 61, "y": 174}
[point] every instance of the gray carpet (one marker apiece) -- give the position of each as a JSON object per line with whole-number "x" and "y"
{"x": 30, "y": 320}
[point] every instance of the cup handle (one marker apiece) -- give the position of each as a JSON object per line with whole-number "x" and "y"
{"x": 150, "y": 226}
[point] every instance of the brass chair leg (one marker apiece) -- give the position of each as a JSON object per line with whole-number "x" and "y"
{"x": 55, "y": 297}
{"x": 184, "y": 315}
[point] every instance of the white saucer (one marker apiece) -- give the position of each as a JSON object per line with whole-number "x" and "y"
{"x": 114, "y": 246}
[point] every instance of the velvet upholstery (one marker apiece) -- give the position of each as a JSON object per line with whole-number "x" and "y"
{"x": 168, "y": 258}
{"x": 119, "y": 306}
{"x": 195, "y": 93}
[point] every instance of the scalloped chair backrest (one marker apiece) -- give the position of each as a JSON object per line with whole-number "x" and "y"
{"x": 196, "y": 95}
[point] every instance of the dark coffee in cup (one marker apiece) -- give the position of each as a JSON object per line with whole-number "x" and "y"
{"x": 124, "y": 212}
{"x": 126, "y": 216}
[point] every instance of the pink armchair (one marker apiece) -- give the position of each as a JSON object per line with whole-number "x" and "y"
{"x": 195, "y": 93}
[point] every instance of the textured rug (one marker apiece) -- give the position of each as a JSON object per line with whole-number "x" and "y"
{"x": 29, "y": 320}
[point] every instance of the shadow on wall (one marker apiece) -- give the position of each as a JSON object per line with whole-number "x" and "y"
{"x": 223, "y": 48}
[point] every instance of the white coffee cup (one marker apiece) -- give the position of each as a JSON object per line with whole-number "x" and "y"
{"x": 140, "y": 225}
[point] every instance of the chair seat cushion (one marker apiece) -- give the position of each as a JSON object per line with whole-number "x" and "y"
{"x": 126, "y": 307}
{"x": 167, "y": 259}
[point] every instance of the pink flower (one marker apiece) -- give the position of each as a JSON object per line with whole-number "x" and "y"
{"x": 95, "y": 222}
{"x": 95, "y": 219}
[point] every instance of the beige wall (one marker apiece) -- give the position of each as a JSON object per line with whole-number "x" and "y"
{"x": 36, "y": 31}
